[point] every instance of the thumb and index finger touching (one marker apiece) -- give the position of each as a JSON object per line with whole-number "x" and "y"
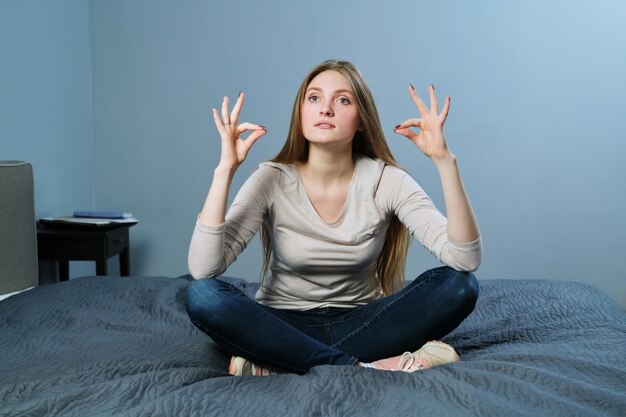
{"x": 227, "y": 123}
{"x": 425, "y": 112}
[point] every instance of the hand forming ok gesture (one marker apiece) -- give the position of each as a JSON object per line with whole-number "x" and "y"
{"x": 430, "y": 140}
{"x": 234, "y": 147}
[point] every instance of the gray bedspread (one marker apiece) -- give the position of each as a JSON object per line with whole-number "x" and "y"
{"x": 124, "y": 347}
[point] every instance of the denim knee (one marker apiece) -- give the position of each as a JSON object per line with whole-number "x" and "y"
{"x": 461, "y": 288}
{"x": 203, "y": 299}
{"x": 467, "y": 289}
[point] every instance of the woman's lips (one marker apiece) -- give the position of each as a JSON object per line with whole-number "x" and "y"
{"x": 325, "y": 125}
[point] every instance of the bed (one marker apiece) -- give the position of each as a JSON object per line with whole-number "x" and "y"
{"x": 111, "y": 346}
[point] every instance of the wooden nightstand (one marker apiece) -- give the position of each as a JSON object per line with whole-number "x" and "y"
{"x": 84, "y": 243}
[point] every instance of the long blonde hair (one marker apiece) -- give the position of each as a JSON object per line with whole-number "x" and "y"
{"x": 369, "y": 142}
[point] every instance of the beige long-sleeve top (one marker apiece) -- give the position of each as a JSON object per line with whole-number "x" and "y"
{"x": 316, "y": 263}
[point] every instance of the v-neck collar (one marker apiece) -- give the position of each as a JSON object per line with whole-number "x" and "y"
{"x": 345, "y": 203}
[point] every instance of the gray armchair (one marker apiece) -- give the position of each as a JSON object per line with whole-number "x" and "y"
{"x": 18, "y": 227}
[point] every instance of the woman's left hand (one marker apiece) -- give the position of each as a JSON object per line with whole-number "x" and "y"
{"x": 430, "y": 140}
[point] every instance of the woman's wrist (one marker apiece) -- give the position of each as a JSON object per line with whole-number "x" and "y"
{"x": 224, "y": 171}
{"x": 445, "y": 162}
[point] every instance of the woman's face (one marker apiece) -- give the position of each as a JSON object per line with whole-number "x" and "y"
{"x": 329, "y": 113}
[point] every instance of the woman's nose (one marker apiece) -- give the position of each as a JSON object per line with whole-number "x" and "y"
{"x": 326, "y": 110}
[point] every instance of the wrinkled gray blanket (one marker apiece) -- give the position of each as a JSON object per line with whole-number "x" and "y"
{"x": 124, "y": 346}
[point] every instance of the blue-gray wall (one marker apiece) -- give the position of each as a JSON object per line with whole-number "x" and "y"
{"x": 537, "y": 90}
{"x": 46, "y": 103}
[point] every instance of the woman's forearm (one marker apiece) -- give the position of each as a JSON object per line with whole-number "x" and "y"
{"x": 214, "y": 210}
{"x": 462, "y": 225}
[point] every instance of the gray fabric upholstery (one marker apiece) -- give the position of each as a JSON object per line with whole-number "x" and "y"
{"x": 18, "y": 229}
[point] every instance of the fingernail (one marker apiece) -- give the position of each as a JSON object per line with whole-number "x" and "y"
{"x": 239, "y": 95}
{"x": 433, "y": 87}
{"x": 263, "y": 127}
{"x": 397, "y": 127}
{"x": 412, "y": 88}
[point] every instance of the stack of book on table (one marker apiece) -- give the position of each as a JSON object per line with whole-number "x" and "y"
{"x": 91, "y": 218}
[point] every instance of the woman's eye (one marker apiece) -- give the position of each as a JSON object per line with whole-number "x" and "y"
{"x": 313, "y": 98}
{"x": 344, "y": 100}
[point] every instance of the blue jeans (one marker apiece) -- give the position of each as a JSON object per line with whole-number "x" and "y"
{"x": 430, "y": 307}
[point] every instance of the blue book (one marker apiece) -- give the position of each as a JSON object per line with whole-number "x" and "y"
{"x": 98, "y": 214}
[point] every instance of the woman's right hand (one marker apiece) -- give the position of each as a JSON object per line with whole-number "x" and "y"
{"x": 234, "y": 147}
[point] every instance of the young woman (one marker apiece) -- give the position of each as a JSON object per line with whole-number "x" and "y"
{"x": 336, "y": 215}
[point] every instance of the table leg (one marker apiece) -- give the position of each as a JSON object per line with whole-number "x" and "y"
{"x": 101, "y": 266}
{"x": 64, "y": 270}
{"x": 125, "y": 262}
